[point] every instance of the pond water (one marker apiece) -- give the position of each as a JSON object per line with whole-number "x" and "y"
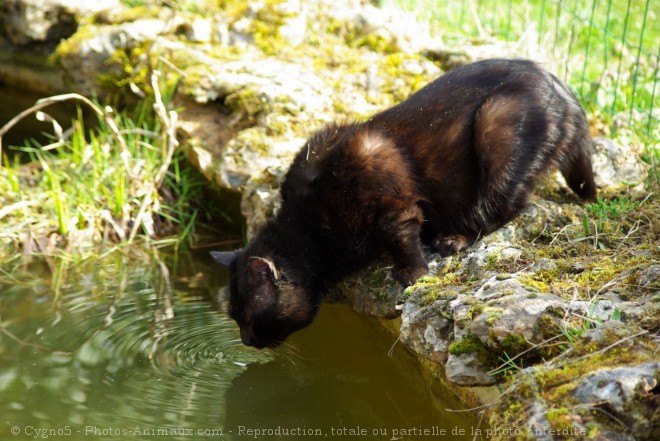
{"x": 138, "y": 346}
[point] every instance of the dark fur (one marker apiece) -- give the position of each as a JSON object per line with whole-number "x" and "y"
{"x": 455, "y": 161}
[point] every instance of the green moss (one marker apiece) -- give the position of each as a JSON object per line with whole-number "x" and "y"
{"x": 560, "y": 419}
{"x": 193, "y": 76}
{"x": 70, "y": 46}
{"x": 476, "y": 308}
{"x": 489, "y": 357}
{"x": 250, "y": 100}
{"x": 234, "y": 9}
{"x": 514, "y": 344}
{"x": 254, "y": 139}
{"x": 491, "y": 261}
{"x": 375, "y": 42}
{"x": 554, "y": 385}
{"x": 468, "y": 344}
{"x": 546, "y": 327}
{"x": 575, "y": 370}
{"x": 265, "y": 27}
{"x": 493, "y": 314}
{"x": 505, "y": 265}
{"x": 535, "y": 283}
{"x": 434, "y": 287}
{"x": 128, "y": 71}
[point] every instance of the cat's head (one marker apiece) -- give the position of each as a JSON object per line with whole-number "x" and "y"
{"x": 266, "y": 305}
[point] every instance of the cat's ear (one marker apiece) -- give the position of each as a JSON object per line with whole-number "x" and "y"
{"x": 225, "y": 258}
{"x": 262, "y": 269}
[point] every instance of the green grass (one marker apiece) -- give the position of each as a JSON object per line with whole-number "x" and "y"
{"x": 608, "y": 51}
{"x": 608, "y": 219}
{"x": 114, "y": 184}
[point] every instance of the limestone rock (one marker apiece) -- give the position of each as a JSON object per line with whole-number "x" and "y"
{"x": 396, "y": 30}
{"x": 373, "y": 292}
{"x": 600, "y": 390}
{"x": 510, "y": 314}
{"x": 262, "y": 85}
{"x": 427, "y": 329}
{"x": 467, "y": 370}
{"x": 615, "y": 163}
{"x": 618, "y": 386}
{"x": 87, "y": 57}
{"x": 451, "y": 57}
{"x": 495, "y": 247}
{"x": 650, "y": 279}
{"x": 26, "y": 22}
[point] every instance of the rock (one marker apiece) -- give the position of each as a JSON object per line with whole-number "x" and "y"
{"x": 543, "y": 264}
{"x": 85, "y": 57}
{"x": 649, "y": 279}
{"x": 617, "y": 387}
{"x": 392, "y": 29}
{"x": 373, "y": 292}
{"x": 615, "y": 163}
{"x": 501, "y": 316}
{"x": 595, "y": 312}
{"x": 606, "y": 384}
{"x": 26, "y": 22}
{"x": 294, "y": 28}
{"x": 200, "y": 30}
{"x": 543, "y": 216}
{"x": 509, "y": 318}
{"x": 427, "y": 330}
{"x": 467, "y": 370}
{"x": 259, "y": 201}
{"x": 467, "y": 363}
{"x": 262, "y": 85}
{"x": 453, "y": 57}
{"x": 491, "y": 249}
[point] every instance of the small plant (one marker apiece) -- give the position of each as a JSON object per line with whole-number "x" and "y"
{"x": 605, "y": 209}
{"x": 604, "y": 217}
{"x": 118, "y": 182}
{"x": 573, "y": 333}
{"x": 508, "y": 366}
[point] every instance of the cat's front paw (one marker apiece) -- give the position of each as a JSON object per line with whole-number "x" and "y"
{"x": 446, "y": 245}
{"x": 407, "y": 275}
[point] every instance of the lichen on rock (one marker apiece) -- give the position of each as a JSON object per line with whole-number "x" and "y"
{"x": 603, "y": 389}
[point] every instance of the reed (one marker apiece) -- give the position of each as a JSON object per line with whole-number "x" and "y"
{"x": 121, "y": 182}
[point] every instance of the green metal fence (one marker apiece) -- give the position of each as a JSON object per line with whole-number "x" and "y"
{"x": 607, "y": 50}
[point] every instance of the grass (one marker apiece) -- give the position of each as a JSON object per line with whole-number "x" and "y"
{"x": 606, "y": 217}
{"x": 121, "y": 182}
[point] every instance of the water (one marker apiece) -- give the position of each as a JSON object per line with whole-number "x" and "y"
{"x": 137, "y": 346}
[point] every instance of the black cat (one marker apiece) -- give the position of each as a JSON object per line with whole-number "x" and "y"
{"x": 453, "y": 162}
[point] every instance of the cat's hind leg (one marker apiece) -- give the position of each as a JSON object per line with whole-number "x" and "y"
{"x": 449, "y": 244}
{"x": 578, "y": 172}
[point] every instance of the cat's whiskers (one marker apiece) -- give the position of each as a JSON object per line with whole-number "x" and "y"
{"x": 290, "y": 352}
{"x": 291, "y": 347}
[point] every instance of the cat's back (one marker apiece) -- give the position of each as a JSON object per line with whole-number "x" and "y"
{"x": 451, "y": 101}
{"x": 342, "y": 175}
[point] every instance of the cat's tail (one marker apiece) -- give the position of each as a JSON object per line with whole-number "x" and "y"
{"x": 577, "y": 169}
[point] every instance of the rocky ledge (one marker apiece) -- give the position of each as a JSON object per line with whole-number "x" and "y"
{"x": 549, "y": 324}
